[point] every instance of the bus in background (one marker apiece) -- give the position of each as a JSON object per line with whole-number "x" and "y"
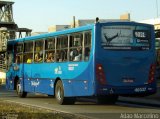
{"x": 102, "y": 60}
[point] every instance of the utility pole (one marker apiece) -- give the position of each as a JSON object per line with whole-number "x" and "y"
{"x": 157, "y": 8}
{"x": 74, "y": 22}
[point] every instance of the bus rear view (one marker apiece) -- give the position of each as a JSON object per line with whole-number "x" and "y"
{"x": 124, "y": 60}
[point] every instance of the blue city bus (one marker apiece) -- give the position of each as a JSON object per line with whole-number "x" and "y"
{"x": 102, "y": 60}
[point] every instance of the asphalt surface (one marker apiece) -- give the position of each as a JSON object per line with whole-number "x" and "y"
{"x": 152, "y": 100}
{"x": 87, "y": 107}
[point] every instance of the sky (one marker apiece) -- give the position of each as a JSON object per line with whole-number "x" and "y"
{"x": 38, "y": 15}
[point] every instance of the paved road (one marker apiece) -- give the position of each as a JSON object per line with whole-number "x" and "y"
{"x": 89, "y": 109}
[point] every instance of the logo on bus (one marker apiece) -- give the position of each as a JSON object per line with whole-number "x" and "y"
{"x": 34, "y": 83}
{"x": 58, "y": 70}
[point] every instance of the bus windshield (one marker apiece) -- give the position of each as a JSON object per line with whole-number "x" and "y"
{"x": 125, "y": 37}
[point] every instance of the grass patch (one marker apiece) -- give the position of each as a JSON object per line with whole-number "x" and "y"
{"x": 16, "y": 111}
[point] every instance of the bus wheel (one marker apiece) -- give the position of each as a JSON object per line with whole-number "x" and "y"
{"x": 59, "y": 94}
{"x": 107, "y": 99}
{"x": 19, "y": 91}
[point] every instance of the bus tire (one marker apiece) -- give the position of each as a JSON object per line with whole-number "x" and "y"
{"x": 59, "y": 94}
{"x": 19, "y": 90}
{"x": 107, "y": 99}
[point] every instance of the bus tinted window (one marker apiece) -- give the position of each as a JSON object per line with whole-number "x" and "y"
{"x": 76, "y": 41}
{"x": 28, "y": 52}
{"x": 28, "y": 47}
{"x": 18, "y": 48}
{"x": 49, "y": 49}
{"x": 18, "y": 53}
{"x": 125, "y": 37}
{"x": 62, "y": 48}
{"x": 87, "y": 45}
{"x": 50, "y": 44}
{"x": 38, "y": 51}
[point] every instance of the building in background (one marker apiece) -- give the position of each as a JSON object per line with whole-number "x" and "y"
{"x": 37, "y": 33}
{"x": 58, "y": 28}
{"x": 125, "y": 16}
{"x": 84, "y": 22}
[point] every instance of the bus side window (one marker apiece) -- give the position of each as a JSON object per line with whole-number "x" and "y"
{"x": 62, "y": 48}
{"x": 49, "y": 57}
{"x": 38, "y": 51}
{"x": 29, "y": 58}
{"x": 18, "y": 53}
{"x": 28, "y": 52}
{"x": 76, "y": 47}
{"x": 87, "y": 45}
{"x": 50, "y": 49}
{"x": 87, "y": 53}
{"x": 10, "y": 59}
{"x": 37, "y": 57}
{"x": 17, "y": 59}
